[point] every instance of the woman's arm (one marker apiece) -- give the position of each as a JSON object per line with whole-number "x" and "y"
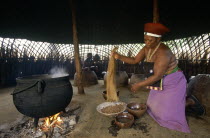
{"x": 160, "y": 67}
{"x": 131, "y": 60}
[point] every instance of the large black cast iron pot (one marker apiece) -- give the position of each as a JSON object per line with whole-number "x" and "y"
{"x": 41, "y": 96}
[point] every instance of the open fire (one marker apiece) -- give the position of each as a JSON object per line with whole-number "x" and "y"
{"x": 58, "y": 125}
{"x": 51, "y": 122}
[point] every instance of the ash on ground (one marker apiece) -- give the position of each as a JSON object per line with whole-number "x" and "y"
{"x": 113, "y": 129}
{"x": 141, "y": 126}
{"x": 25, "y": 127}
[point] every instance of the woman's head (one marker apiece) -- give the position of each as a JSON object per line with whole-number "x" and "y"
{"x": 151, "y": 41}
{"x": 153, "y": 33}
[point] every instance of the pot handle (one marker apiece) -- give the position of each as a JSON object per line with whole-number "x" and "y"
{"x": 40, "y": 87}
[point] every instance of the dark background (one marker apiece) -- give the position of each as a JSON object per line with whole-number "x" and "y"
{"x": 100, "y": 21}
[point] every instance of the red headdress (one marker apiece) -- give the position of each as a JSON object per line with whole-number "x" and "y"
{"x": 155, "y": 29}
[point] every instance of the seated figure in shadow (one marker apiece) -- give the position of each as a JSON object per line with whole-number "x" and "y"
{"x": 88, "y": 62}
{"x": 97, "y": 66}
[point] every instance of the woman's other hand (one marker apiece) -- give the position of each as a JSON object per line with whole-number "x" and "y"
{"x": 134, "y": 87}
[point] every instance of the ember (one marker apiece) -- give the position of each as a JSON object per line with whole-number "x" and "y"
{"x": 51, "y": 122}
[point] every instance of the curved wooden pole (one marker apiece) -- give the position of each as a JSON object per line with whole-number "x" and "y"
{"x": 76, "y": 50}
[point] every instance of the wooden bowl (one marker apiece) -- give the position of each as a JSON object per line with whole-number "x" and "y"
{"x": 105, "y": 96}
{"x": 124, "y": 120}
{"x": 136, "y": 109}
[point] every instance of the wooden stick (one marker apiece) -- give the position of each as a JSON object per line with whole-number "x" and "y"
{"x": 52, "y": 123}
{"x": 59, "y": 127}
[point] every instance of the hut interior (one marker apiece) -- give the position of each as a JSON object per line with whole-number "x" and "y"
{"x": 33, "y": 32}
{"x": 38, "y": 37}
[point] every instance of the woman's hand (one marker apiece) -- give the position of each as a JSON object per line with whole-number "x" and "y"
{"x": 135, "y": 87}
{"x": 115, "y": 55}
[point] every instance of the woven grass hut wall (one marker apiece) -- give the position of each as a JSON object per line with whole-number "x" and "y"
{"x": 36, "y": 36}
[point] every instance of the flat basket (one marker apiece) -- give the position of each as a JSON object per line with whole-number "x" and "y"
{"x": 106, "y": 104}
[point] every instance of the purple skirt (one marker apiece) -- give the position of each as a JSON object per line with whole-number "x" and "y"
{"x": 167, "y": 107}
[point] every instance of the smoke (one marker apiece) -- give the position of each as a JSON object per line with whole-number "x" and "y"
{"x": 58, "y": 72}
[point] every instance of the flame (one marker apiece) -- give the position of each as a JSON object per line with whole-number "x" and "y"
{"x": 47, "y": 122}
{"x": 59, "y": 119}
{"x": 51, "y": 121}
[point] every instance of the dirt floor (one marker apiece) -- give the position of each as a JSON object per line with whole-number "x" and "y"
{"x": 92, "y": 124}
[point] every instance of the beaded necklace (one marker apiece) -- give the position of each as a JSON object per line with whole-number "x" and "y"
{"x": 149, "y": 56}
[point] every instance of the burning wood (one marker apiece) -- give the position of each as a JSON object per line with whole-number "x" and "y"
{"x": 58, "y": 125}
{"x": 51, "y": 122}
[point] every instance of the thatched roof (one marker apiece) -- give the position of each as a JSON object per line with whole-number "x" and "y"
{"x": 99, "y": 21}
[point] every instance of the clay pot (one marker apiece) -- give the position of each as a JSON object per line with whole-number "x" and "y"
{"x": 88, "y": 78}
{"x": 130, "y": 74}
{"x": 135, "y": 78}
{"x": 124, "y": 120}
{"x": 121, "y": 78}
{"x": 105, "y": 96}
{"x": 199, "y": 86}
{"x": 136, "y": 109}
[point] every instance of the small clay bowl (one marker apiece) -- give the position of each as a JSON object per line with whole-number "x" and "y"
{"x": 124, "y": 120}
{"x": 105, "y": 96}
{"x": 136, "y": 109}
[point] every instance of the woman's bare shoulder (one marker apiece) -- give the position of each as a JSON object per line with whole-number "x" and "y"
{"x": 164, "y": 52}
{"x": 164, "y": 46}
{"x": 164, "y": 49}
